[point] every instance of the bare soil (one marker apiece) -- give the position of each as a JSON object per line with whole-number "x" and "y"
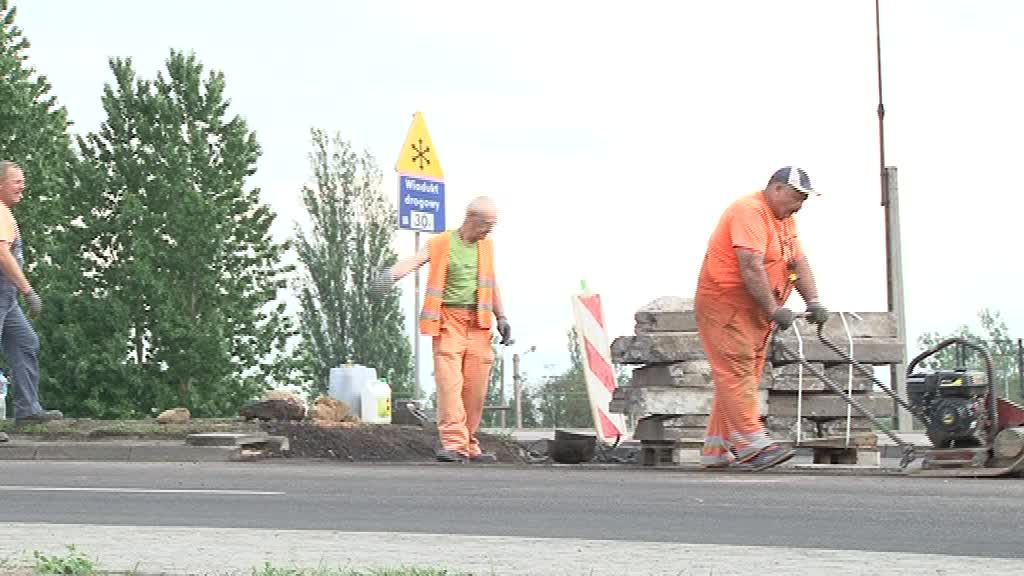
{"x": 345, "y": 441}
{"x": 375, "y": 442}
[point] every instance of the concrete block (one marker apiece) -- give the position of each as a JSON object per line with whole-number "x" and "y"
{"x": 811, "y": 384}
{"x": 876, "y": 351}
{"x": 837, "y": 426}
{"x": 225, "y": 439}
{"x": 688, "y": 421}
{"x": 642, "y": 402}
{"x": 657, "y": 348}
{"x": 666, "y": 314}
{"x": 871, "y": 325}
{"x": 828, "y": 405}
{"x": 785, "y": 427}
{"x": 791, "y": 369}
{"x": 696, "y": 374}
{"x": 686, "y": 432}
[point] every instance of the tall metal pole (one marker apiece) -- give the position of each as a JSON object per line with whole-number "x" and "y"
{"x": 1020, "y": 366}
{"x": 417, "y": 390}
{"x": 893, "y": 270}
{"x": 881, "y": 130}
{"x": 517, "y": 391}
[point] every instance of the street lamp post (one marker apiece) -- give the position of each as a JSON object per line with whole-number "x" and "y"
{"x": 517, "y": 387}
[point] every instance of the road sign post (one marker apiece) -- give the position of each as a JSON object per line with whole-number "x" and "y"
{"x": 420, "y": 203}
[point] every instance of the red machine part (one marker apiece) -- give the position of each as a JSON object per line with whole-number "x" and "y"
{"x": 1010, "y": 414}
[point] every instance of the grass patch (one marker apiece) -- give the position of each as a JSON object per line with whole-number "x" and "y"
{"x": 71, "y": 564}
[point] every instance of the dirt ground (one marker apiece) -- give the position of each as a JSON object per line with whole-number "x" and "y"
{"x": 341, "y": 441}
{"x": 374, "y": 442}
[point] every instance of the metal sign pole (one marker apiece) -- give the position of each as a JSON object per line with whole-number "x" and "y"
{"x": 417, "y": 390}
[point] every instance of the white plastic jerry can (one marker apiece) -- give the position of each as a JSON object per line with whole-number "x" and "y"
{"x": 375, "y": 404}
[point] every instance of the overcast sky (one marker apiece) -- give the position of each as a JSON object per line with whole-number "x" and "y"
{"x": 612, "y": 134}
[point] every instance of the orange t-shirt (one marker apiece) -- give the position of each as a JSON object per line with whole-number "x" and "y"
{"x": 8, "y": 226}
{"x": 749, "y": 223}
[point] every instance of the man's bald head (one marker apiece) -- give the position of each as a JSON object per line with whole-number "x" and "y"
{"x": 482, "y": 206}
{"x": 481, "y": 216}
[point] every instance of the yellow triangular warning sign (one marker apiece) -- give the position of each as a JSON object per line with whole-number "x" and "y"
{"x": 418, "y": 156}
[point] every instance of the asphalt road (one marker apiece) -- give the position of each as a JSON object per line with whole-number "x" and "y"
{"x": 892, "y": 514}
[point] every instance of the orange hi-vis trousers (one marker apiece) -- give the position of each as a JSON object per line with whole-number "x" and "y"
{"x": 735, "y": 339}
{"x": 462, "y": 369}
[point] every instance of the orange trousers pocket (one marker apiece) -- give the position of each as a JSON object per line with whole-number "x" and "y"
{"x": 463, "y": 358}
{"x": 735, "y": 339}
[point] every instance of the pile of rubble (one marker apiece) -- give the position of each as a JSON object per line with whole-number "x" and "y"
{"x": 672, "y": 383}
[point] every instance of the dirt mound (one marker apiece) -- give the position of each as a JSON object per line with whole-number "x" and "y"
{"x": 374, "y": 442}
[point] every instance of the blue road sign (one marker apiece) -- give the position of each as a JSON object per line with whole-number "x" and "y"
{"x": 420, "y": 204}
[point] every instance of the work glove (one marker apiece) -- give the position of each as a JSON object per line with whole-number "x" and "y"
{"x": 381, "y": 282}
{"x": 505, "y": 330}
{"x": 783, "y": 318}
{"x": 816, "y": 312}
{"x": 35, "y": 303}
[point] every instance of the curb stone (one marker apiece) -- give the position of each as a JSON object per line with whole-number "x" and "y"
{"x": 121, "y": 452}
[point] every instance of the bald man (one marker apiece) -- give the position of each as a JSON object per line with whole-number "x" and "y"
{"x": 460, "y": 299}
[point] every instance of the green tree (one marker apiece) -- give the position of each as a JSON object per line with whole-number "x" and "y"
{"x": 182, "y": 254}
{"x": 352, "y": 230}
{"x": 995, "y": 336}
{"x": 34, "y": 133}
{"x": 531, "y": 416}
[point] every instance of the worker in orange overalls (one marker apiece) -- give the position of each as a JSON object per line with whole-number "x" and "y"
{"x": 754, "y": 260}
{"x": 460, "y": 299}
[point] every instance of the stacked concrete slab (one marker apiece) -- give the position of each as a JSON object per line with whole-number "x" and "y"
{"x": 672, "y": 378}
{"x": 823, "y": 413}
{"x": 672, "y": 385}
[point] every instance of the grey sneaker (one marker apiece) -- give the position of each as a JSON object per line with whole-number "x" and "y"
{"x": 771, "y": 456}
{"x": 40, "y": 417}
{"x": 485, "y": 458}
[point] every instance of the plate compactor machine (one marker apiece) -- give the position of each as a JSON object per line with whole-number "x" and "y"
{"x": 973, "y": 432}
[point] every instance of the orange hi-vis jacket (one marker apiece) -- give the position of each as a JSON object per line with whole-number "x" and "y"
{"x": 439, "y": 248}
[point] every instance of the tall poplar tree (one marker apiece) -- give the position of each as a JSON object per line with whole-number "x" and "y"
{"x": 352, "y": 229}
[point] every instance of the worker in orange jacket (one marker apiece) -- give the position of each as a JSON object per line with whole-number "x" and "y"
{"x": 460, "y": 299}
{"x": 754, "y": 260}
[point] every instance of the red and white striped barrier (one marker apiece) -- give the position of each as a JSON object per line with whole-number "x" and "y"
{"x": 595, "y": 350}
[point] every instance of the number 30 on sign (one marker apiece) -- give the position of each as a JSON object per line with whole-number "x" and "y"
{"x": 421, "y": 221}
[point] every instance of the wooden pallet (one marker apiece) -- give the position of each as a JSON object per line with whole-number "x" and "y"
{"x": 669, "y": 452}
{"x": 862, "y": 449}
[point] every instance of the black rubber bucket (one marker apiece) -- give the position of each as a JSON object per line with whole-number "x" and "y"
{"x": 571, "y": 448}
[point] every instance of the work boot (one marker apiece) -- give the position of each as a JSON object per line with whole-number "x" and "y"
{"x": 40, "y": 417}
{"x": 771, "y": 456}
{"x": 443, "y": 455}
